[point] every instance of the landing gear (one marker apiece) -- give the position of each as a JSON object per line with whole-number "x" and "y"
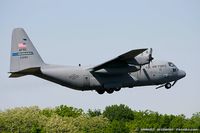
{"x": 117, "y": 89}
{"x": 168, "y": 85}
{"x": 110, "y": 91}
{"x": 100, "y": 91}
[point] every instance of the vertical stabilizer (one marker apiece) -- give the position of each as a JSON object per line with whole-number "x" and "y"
{"x": 23, "y": 53}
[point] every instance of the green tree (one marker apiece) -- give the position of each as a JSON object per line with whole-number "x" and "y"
{"x": 119, "y": 113}
{"x": 151, "y": 119}
{"x": 146, "y": 119}
{"x": 22, "y": 120}
{"x": 47, "y": 112}
{"x": 117, "y": 127}
{"x": 66, "y": 111}
{"x": 96, "y": 124}
{"x": 196, "y": 119}
{"x": 59, "y": 124}
{"x": 94, "y": 113}
{"x": 193, "y": 122}
{"x": 166, "y": 120}
{"x": 138, "y": 120}
{"x": 178, "y": 121}
{"x": 115, "y": 118}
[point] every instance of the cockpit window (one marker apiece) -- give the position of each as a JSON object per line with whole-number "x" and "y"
{"x": 174, "y": 69}
{"x": 171, "y": 64}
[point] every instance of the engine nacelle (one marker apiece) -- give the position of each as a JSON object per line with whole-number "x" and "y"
{"x": 139, "y": 60}
{"x": 142, "y": 59}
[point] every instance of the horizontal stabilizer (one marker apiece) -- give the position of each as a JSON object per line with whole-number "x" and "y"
{"x": 30, "y": 71}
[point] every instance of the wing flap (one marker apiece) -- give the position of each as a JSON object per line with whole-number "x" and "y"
{"x": 118, "y": 70}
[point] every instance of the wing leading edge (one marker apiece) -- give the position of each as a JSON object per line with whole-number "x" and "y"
{"x": 120, "y": 61}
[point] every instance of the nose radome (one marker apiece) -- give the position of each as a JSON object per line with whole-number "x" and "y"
{"x": 182, "y": 73}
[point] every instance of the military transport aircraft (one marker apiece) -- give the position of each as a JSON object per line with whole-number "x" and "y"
{"x": 134, "y": 68}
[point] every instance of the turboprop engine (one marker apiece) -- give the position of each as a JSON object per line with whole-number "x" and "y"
{"x": 142, "y": 59}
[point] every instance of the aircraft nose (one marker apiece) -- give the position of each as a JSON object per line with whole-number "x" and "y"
{"x": 181, "y": 74}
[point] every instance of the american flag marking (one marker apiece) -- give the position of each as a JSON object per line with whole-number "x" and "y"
{"x": 21, "y": 45}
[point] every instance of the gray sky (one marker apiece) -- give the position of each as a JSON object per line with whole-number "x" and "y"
{"x": 91, "y": 32}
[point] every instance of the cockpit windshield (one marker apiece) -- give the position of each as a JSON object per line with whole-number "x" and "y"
{"x": 174, "y": 68}
{"x": 171, "y": 64}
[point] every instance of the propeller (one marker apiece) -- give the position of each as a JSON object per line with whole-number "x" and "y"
{"x": 150, "y": 56}
{"x": 140, "y": 69}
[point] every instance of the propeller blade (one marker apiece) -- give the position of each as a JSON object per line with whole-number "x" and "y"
{"x": 150, "y": 56}
{"x": 150, "y": 50}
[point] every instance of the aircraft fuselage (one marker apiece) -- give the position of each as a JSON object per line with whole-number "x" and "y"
{"x": 79, "y": 78}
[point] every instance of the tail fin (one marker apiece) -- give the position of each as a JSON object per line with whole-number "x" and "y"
{"x": 24, "y": 56}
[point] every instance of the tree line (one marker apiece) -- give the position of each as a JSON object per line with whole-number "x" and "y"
{"x": 113, "y": 119}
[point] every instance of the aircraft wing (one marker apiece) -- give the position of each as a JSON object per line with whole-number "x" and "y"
{"x": 120, "y": 61}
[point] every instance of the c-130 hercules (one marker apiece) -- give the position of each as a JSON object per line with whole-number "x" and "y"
{"x": 134, "y": 68}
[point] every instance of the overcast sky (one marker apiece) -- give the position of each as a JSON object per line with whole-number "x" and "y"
{"x": 91, "y": 32}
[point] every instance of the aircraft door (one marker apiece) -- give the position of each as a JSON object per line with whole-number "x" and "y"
{"x": 86, "y": 80}
{"x": 157, "y": 75}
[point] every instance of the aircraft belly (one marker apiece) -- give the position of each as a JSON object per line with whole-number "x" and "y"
{"x": 115, "y": 81}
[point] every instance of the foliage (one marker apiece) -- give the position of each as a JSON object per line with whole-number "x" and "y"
{"x": 58, "y": 124}
{"x": 114, "y": 119}
{"x": 47, "y": 112}
{"x": 196, "y": 120}
{"x": 178, "y": 121}
{"x": 22, "y": 120}
{"x": 91, "y": 124}
{"x": 118, "y": 112}
{"x": 94, "y": 113}
{"x": 117, "y": 127}
{"x": 64, "y": 110}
